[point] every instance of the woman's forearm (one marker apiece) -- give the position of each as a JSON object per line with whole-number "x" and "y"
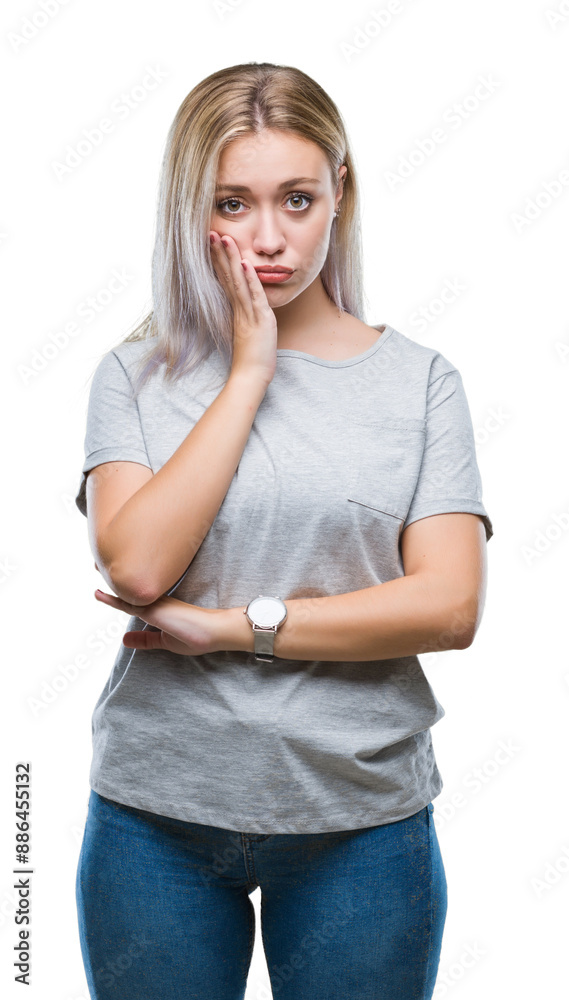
{"x": 402, "y": 617}
{"x": 157, "y": 532}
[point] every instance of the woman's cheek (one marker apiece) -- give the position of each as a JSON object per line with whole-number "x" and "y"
{"x": 315, "y": 255}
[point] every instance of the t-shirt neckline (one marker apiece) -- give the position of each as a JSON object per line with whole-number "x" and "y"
{"x": 287, "y": 352}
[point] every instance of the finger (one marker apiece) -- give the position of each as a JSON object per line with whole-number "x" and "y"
{"x": 220, "y": 259}
{"x": 252, "y": 280}
{"x": 157, "y": 640}
{"x": 143, "y": 640}
{"x": 116, "y": 602}
{"x": 258, "y": 294}
{"x": 111, "y": 599}
{"x": 234, "y": 274}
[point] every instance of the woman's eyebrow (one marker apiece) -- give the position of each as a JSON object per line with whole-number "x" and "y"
{"x": 285, "y": 184}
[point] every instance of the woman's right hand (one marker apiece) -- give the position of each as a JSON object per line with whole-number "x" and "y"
{"x": 254, "y": 322}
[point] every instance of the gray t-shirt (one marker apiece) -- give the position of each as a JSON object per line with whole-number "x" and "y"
{"x": 341, "y": 457}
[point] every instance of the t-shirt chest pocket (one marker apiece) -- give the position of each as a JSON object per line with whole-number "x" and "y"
{"x": 384, "y": 466}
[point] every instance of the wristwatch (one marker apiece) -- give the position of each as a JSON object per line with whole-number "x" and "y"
{"x": 265, "y": 615}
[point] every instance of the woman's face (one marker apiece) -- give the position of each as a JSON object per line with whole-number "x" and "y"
{"x": 275, "y": 198}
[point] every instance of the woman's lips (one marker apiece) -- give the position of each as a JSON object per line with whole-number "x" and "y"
{"x": 274, "y": 277}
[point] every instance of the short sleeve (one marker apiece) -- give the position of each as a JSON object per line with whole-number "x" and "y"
{"x": 449, "y": 479}
{"x": 114, "y": 432}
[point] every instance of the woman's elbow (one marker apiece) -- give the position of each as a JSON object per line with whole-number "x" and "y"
{"x": 465, "y": 620}
{"x": 132, "y": 588}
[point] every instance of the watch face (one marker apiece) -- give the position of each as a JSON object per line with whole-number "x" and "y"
{"x": 267, "y": 611}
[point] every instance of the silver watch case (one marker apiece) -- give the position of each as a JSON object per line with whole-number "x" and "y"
{"x": 265, "y": 614}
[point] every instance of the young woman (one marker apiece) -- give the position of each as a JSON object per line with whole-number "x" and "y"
{"x": 307, "y": 485}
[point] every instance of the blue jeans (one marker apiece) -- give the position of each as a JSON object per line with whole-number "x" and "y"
{"x": 164, "y": 908}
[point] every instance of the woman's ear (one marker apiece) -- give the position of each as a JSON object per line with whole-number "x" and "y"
{"x": 341, "y": 178}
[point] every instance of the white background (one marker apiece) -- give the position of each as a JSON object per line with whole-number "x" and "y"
{"x": 463, "y": 215}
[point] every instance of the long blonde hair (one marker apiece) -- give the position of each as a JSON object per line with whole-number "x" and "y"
{"x": 191, "y": 314}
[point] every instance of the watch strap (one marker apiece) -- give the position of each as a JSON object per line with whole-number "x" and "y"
{"x": 264, "y": 643}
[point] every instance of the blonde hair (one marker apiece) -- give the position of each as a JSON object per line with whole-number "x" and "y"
{"x": 191, "y": 314}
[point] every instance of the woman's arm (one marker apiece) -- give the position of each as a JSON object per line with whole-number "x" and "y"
{"x": 437, "y": 605}
{"x": 144, "y": 547}
{"x": 153, "y": 537}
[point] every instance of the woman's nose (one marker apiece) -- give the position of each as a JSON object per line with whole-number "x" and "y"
{"x": 268, "y": 235}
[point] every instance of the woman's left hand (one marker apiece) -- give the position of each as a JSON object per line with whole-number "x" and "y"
{"x": 184, "y": 628}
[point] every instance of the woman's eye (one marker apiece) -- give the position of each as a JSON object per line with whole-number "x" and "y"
{"x": 227, "y": 202}
{"x": 298, "y": 194}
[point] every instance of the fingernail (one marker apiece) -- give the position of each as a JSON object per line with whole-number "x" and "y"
{"x": 211, "y": 238}
{"x": 225, "y": 241}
